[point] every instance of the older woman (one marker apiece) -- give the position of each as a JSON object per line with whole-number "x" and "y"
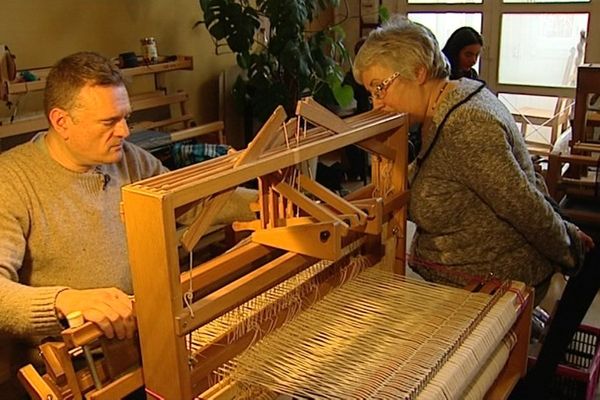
{"x": 462, "y": 50}
{"x": 475, "y": 199}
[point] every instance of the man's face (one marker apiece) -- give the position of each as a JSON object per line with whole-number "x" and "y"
{"x": 97, "y": 125}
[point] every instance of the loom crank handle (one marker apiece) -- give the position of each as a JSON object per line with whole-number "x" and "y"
{"x": 75, "y": 319}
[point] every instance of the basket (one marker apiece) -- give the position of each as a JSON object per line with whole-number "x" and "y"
{"x": 577, "y": 375}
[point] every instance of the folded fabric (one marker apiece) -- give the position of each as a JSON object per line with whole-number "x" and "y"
{"x": 187, "y": 154}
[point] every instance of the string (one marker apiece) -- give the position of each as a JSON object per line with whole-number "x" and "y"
{"x": 454, "y": 315}
{"x": 188, "y": 297}
{"x": 290, "y": 350}
{"x": 285, "y": 134}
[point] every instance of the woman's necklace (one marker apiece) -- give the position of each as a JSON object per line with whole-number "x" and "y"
{"x": 431, "y": 109}
{"x": 439, "y": 96}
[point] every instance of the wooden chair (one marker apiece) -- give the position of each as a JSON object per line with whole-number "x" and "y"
{"x": 557, "y": 119}
{"x": 232, "y": 118}
{"x": 159, "y": 120}
{"x": 157, "y": 110}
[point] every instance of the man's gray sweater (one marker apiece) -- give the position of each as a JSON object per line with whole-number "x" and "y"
{"x": 60, "y": 228}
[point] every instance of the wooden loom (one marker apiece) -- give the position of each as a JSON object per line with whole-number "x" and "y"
{"x": 293, "y": 232}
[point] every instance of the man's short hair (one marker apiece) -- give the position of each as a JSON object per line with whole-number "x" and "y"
{"x": 69, "y": 75}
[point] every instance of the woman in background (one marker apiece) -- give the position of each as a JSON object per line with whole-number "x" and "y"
{"x": 462, "y": 50}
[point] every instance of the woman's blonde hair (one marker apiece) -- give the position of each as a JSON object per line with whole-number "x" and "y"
{"x": 403, "y": 46}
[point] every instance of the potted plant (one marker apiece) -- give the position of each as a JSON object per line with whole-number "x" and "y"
{"x": 281, "y": 61}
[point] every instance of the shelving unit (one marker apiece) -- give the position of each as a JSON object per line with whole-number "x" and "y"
{"x": 180, "y": 63}
{"x": 173, "y": 105}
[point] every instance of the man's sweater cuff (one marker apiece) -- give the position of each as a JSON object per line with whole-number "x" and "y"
{"x": 43, "y": 312}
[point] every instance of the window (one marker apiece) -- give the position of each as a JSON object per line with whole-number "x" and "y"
{"x": 530, "y": 45}
{"x": 532, "y": 48}
{"x": 541, "y": 49}
{"x": 443, "y": 24}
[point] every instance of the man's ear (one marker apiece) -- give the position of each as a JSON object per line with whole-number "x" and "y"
{"x": 421, "y": 75}
{"x": 59, "y": 121}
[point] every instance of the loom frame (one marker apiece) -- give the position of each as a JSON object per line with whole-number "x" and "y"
{"x": 162, "y": 319}
{"x": 153, "y": 242}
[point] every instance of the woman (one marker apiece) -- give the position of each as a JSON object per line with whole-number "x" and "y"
{"x": 475, "y": 199}
{"x": 462, "y": 50}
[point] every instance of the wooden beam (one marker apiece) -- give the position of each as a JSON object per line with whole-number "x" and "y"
{"x": 158, "y": 101}
{"x": 54, "y": 368}
{"x": 193, "y": 186}
{"x": 318, "y": 211}
{"x": 204, "y": 220}
{"x": 317, "y": 114}
{"x": 263, "y": 137}
{"x": 375, "y": 146}
{"x": 222, "y": 266}
{"x": 227, "y": 298}
{"x": 332, "y": 199}
{"x": 320, "y": 240}
{"x": 35, "y": 385}
{"x": 20, "y": 127}
{"x": 149, "y": 125}
{"x": 120, "y": 387}
{"x": 81, "y": 335}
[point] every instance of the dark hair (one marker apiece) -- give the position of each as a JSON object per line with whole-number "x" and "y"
{"x": 460, "y": 38}
{"x": 69, "y": 75}
{"x": 359, "y": 44}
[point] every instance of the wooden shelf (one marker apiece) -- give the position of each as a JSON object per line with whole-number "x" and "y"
{"x": 32, "y": 123}
{"x": 182, "y": 62}
{"x": 141, "y": 101}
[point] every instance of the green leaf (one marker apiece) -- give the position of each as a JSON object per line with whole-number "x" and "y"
{"x": 343, "y": 95}
{"x": 293, "y": 63}
{"x": 384, "y": 14}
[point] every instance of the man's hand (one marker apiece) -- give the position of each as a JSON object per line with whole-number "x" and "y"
{"x": 109, "y": 308}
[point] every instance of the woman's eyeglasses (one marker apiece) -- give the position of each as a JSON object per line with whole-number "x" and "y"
{"x": 380, "y": 90}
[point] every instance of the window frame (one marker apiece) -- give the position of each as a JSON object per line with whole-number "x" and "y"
{"x": 491, "y": 17}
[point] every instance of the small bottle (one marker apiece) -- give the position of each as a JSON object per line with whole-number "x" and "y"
{"x": 149, "y": 52}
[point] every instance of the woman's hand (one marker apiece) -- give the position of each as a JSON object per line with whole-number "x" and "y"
{"x": 587, "y": 241}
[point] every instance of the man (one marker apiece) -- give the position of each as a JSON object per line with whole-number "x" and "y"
{"x": 62, "y": 242}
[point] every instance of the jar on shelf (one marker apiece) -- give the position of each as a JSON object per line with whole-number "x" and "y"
{"x": 149, "y": 51}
